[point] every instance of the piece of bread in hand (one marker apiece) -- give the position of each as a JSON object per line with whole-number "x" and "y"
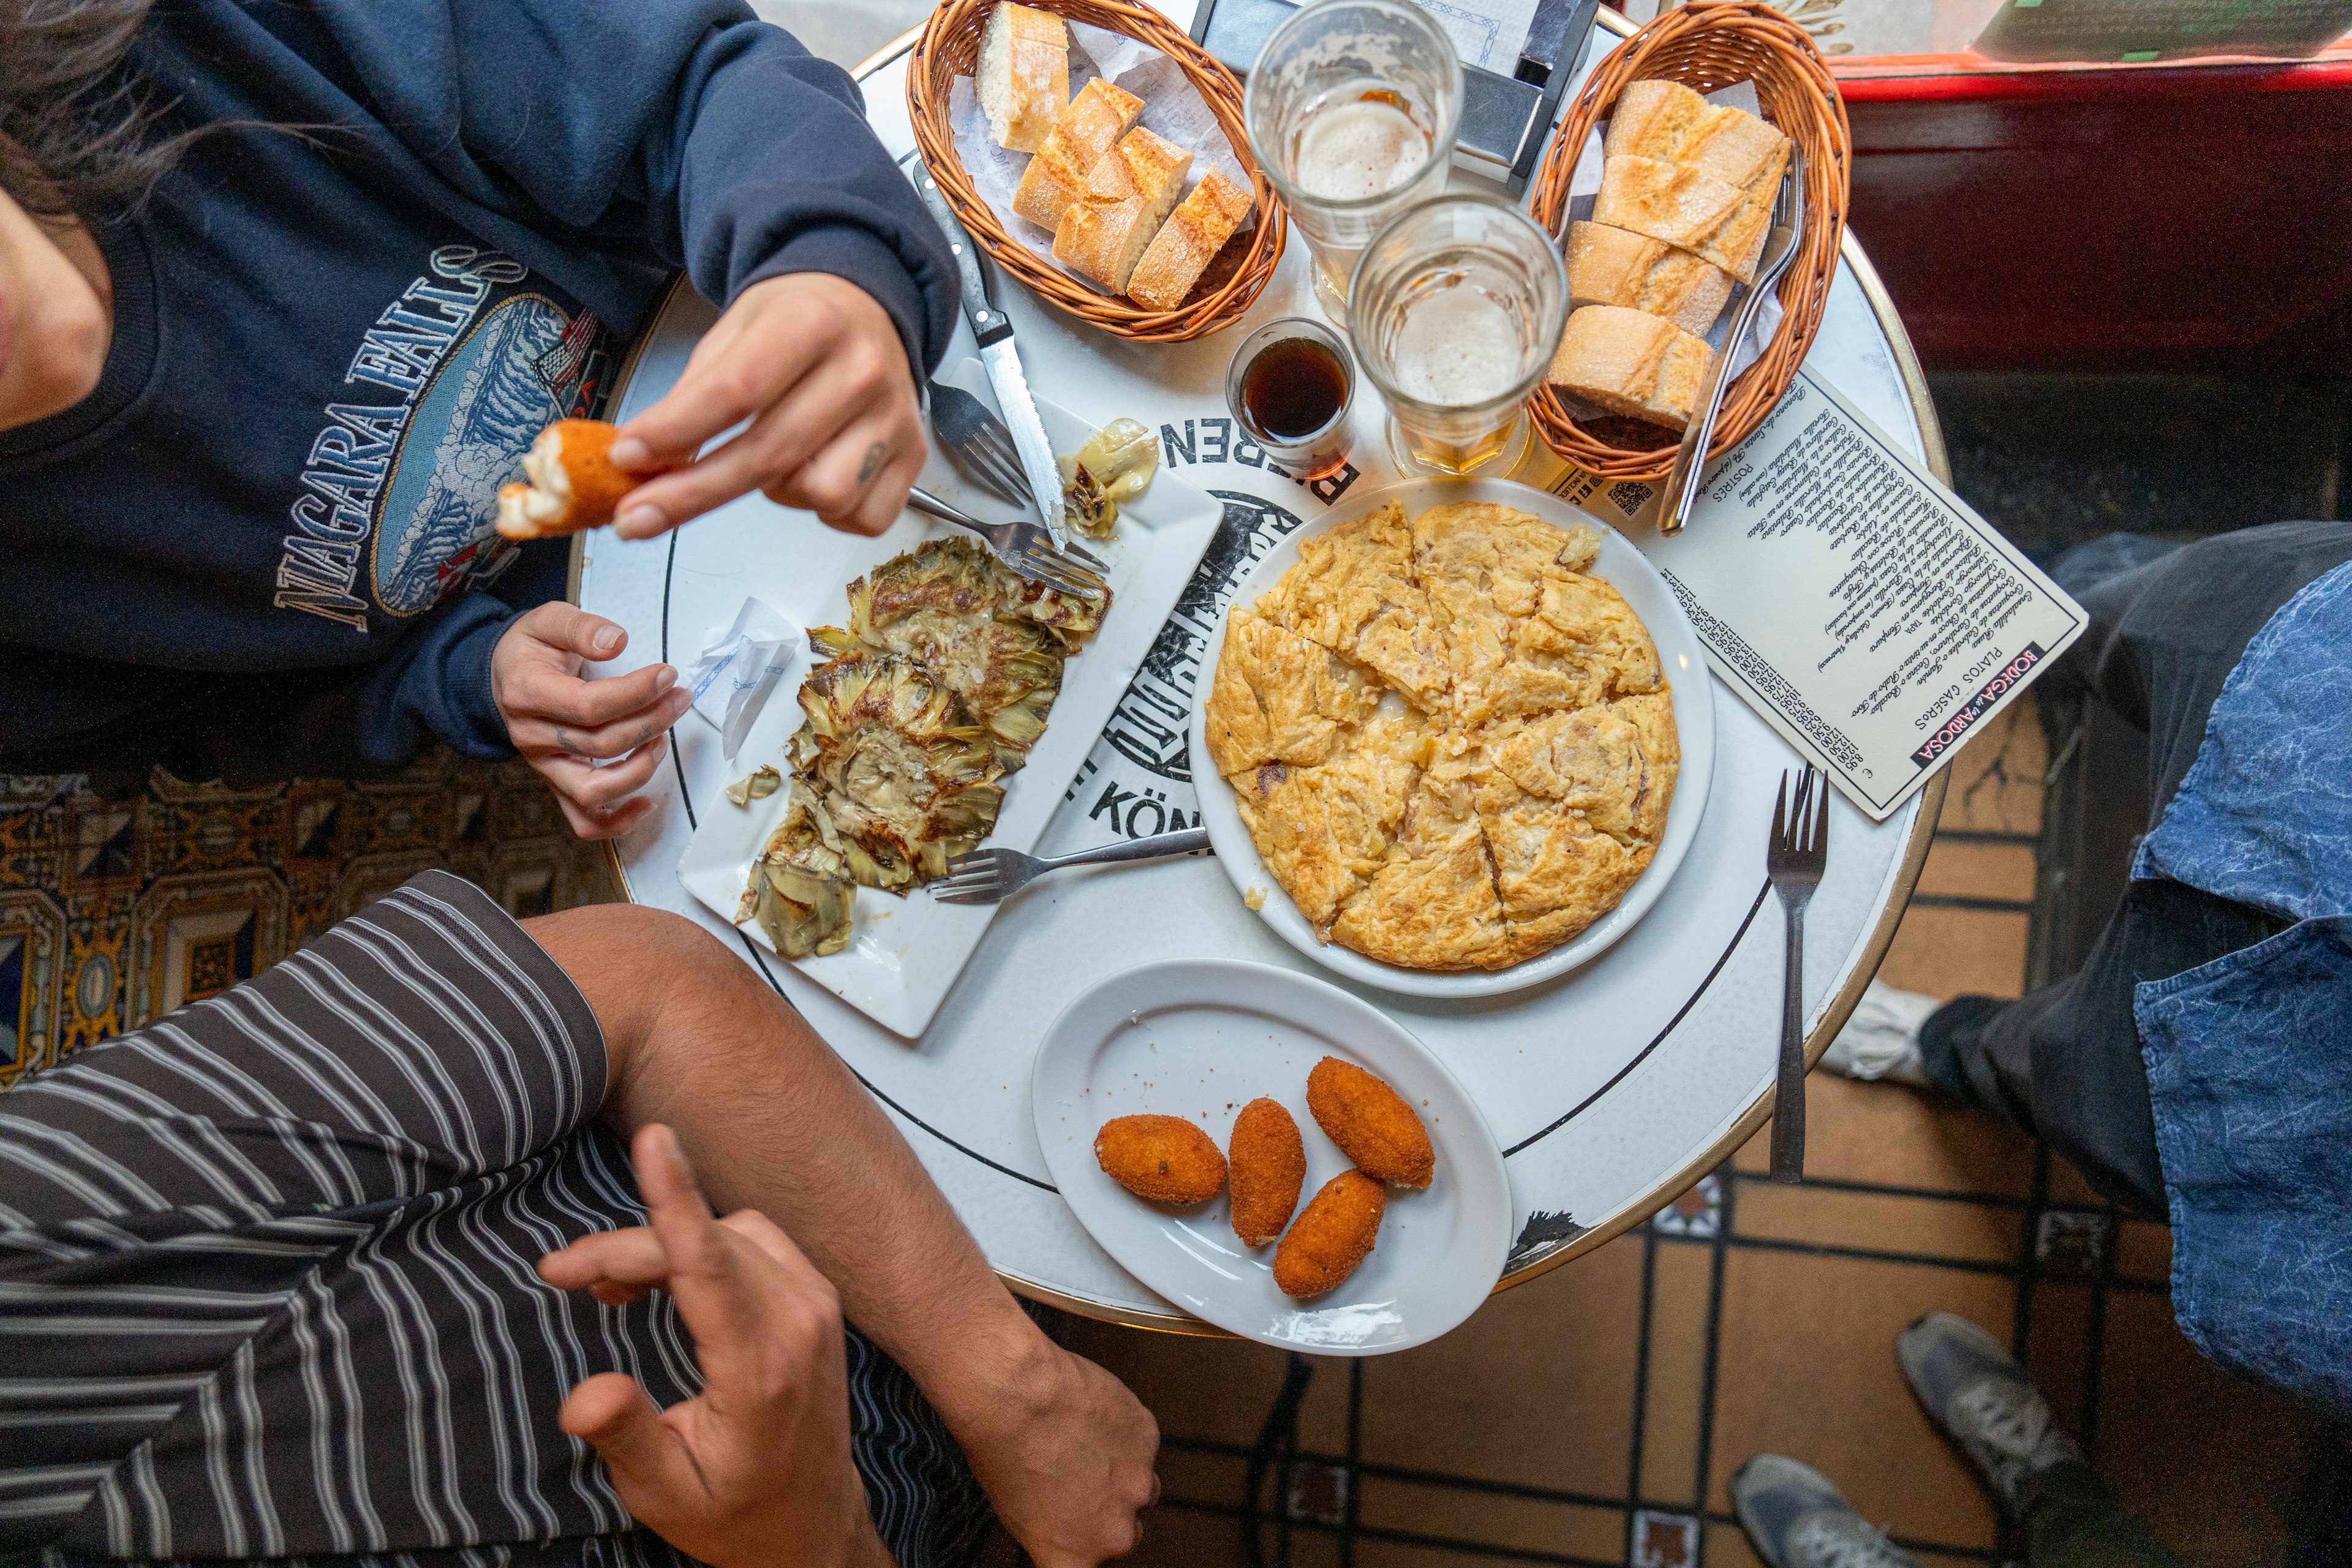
{"x": 1617, "y": 267}
{"x": 574, "y": 485}
{"x": 1024, "y": 75}
{"x": 1090, "y": 127}
{"x": 1631, "y": 362}
{"x": 1687, "y": 206}
{"x": 1667, "y": 120}
{"x": 1126, "y": 199}
{"x": 1188, "y": 241}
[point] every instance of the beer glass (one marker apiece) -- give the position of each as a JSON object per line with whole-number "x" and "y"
{"x": 1455, "y": 309}
{"x": 1353, "y": 107}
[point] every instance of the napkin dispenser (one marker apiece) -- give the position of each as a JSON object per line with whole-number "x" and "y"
{"x": 1505, "y": 119}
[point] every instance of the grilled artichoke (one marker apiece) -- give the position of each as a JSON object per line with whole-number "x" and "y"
{"x": 758, "y": 784}
{"x": 806, "y": 913}
{"x": 903, "y": 774}
{"x": 957, "y": 577}
{"x": 940, "y": 607}
{"x": 800, "y": 893}
{"x": 1116, "y": 466}
{"x": 1071, "y": 620}
{"x": 951, "y": 576}
{"x": 938, "y": 686}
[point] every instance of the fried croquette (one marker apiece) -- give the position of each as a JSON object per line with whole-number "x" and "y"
{"x": 1332, "y": 1236}
{"x": 1164, "y": 1158}
{"x": 574, "y": 484}
{"x": 1268, "y": 1162}
{"x": 1370, "y": 1122}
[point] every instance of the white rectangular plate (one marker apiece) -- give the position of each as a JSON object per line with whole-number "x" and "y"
{"x": 909, "y": 950}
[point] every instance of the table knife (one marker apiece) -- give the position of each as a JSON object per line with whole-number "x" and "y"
{"x": 993, "y": 330}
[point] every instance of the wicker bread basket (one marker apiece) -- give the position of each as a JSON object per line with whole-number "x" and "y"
{"x": 950, "y": 46}
{"x": 1708, "y": 44}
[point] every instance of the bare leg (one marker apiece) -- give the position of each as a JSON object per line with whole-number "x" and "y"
{"x": 773, "y": 1121}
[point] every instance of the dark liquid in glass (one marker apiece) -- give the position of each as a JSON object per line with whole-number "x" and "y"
{"x": 1294, "y": 388}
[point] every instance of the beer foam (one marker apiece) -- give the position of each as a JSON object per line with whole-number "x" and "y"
{"x": 1351, "y": 150}
{"x": 1455, "y": 348}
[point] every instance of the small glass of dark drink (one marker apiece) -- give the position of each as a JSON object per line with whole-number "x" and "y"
{"x": 1290, "y": 386}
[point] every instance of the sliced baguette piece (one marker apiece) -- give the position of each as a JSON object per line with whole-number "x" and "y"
{"x": 1631, "y": 362}
{"x": 1024, "y": 75}
{"x": 1090, "y": 127}
{"x": 1617, "y": 267}
{"x": 1127, "y": 197}
{"x": 1189, "y": 240}
{"x": 1688, "y": 208}
{"x": 1667, "y": 120}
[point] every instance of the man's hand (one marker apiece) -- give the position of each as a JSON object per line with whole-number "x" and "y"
{"x": 756, "y": 1469}
{"x": 1064, "y": 1453}
{"x": 819, "y": 369}
{"x": 1063, "y": 1449}
{"x": 563, "y": 725}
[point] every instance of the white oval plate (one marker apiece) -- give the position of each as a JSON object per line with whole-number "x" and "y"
{"x": 1200, "y": 1038}
{"x": 1684, "y": 658}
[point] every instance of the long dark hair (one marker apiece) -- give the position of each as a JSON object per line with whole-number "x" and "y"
{"x": 76, "y": 129}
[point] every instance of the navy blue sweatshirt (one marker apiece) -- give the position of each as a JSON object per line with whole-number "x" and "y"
{"x": 264, "y": 543}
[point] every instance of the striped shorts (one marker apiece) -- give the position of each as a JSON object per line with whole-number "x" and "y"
{"x": 268, "y": 1285}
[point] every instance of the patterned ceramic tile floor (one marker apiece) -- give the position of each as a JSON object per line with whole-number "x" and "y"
{"x": 1596, "y": 1414}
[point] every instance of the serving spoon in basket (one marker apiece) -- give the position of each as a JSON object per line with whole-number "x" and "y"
{"x": 1779, "y": 249}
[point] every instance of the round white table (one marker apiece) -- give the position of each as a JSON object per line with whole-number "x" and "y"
{"x": 1610, "y": 1091}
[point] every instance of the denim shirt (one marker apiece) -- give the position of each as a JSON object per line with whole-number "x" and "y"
{"x": 2249, "y": 1056}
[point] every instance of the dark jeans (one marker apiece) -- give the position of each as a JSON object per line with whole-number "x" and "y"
{"x": 2074, "y": 1519}
{"x": 2168, "y": 623}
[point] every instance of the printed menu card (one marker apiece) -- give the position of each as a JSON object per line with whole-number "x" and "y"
{"x": 1864, "y": 609}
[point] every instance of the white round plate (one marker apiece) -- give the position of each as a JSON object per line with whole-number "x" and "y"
{"x": 1679, "y": 650}
{"x": 1200, "y": 1038}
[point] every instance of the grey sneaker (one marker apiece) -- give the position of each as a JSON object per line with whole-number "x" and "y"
{"x": 1972, "y": 1388}
{"x": 1882, "y": 1039}
{"x": 1795, "y": 1519}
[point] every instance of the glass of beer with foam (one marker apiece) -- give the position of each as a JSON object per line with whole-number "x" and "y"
{"x": 1456, "y": 308}
{"x": 1353, "y": 107}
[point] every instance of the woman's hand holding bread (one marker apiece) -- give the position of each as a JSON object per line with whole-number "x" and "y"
{"x": 817, "y": 367}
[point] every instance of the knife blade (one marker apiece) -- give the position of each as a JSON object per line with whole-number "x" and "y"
{"x": 1000, "y": 357}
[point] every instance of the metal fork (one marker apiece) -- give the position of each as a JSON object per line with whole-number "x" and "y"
{"x": 1794, "y": 859}
{"x": 992, "y": 876}
{"x": 979, "y": 441}
{"x": 1026, "y": 547}
{"x": 1779, "y": 249}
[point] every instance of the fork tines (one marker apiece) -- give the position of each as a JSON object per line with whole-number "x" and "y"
{"x": 976, "y": 878}
{"x": 1800, "y": 828}
{"x": 1071, "y": 558}
{"x": 998, "y": 463}
{"x": 978, "y": 440}
{"x": 1059, "y": 571}
{"x": 994, "y": 462}
{"x": 1085, "y": 558}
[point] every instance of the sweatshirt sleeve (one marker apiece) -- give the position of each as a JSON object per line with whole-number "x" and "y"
{"x": 688, "y": 126}
{"x": 437, "y": 681}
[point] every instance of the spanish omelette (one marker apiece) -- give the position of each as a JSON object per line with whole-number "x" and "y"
{"x": 1452, "y": 745}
